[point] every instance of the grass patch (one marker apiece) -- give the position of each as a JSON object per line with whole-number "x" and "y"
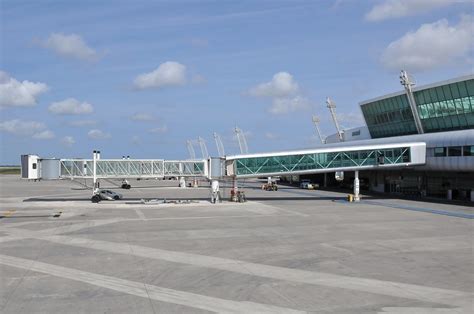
{"x": 10, "y": 170}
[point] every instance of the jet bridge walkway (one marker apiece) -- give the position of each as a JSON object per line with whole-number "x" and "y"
{"x": 318, "y": 160}
{"x": 131, "y": 168}
{"x": 323, "y": 160}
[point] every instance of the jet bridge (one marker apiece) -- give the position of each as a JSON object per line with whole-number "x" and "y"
{"x": 131, "y": 168}
{"x": 319, "y": 160}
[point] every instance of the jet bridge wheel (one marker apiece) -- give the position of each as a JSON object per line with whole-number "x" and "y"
{"x": 126, "y": 186}
{"x": 95, "y": 199}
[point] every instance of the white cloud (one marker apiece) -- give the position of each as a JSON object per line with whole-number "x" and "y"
{"x": 390, "y": 9}
{"x": 80, "y": 123}
{"x": 169, "y": 73}
{"x": 430, "y": 46}
{"x": 70, "y": 106}
{"x": 68, "y": 141}
{"x": 286, "y": 105}
{"x": 24, "y": 128}
{"x": 96, "y": 134}
{"x": 284, "y": 93}
{"x": 19, "y": 94}
{"x": 281, "y": 85}
{"x": 71, "y": 46}
{"x": 162, "y": 129}
{"x": 142, "y": 117}
{"x": 44, "y": 135}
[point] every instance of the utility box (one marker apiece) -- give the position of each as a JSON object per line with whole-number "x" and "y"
{"x": 30, "y": 167}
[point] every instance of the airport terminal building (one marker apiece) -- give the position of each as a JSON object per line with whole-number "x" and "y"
{"x": 418, "y": 142}
{"x": 445, "y": 115}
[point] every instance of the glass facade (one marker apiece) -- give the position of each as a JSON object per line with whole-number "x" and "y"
{"x": 314, "y": 161}
{"x": 446, "y": 107}
{"x": 389, "y": 117}
{"x": 468, "y": 151}
{"x": 440, "y": 151}
{"x": 441, "y": 108}
{"x": 453, "y": 151}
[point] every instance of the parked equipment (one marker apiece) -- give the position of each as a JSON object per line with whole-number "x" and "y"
{"x": 270, "y": 186}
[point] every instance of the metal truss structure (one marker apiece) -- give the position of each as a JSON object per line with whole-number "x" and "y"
{"x": 131, "y": 168}
{"x": 326, "y": 160}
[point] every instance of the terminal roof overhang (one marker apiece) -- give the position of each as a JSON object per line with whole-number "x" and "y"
{"x": 418, "y": 88}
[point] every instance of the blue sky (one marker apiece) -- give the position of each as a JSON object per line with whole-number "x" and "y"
{"x": 140, "y": 78}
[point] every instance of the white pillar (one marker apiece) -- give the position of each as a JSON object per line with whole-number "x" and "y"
{"x": 215, "y": 195}
{"x": 182, "y": 182}
{"x": 472, "y": 195}
{"x": 356, "y": 186}
{"x": 94, "y": 172}
{"x": 449, "y": 194}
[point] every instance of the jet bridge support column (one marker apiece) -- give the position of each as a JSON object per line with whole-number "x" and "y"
{"x": 95, "y": 182}
{"x": 235, "y": 189}
{"x": 94, "y": 172}
{"x": 356, "y": 186}
{"x": 215, "y": 192}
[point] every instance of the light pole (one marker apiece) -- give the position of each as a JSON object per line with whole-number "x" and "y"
{"x": 332, "y": 109}
{"x": 408, "y": 83}
{"x": 316, "y": 124}
{"x": 220, "y": 146}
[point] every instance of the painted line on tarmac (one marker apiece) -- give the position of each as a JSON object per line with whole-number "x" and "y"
{"x": 19, "y": 234}
{"x": 420, "y": 209}
{"x": 389, "y": 288}
{"x": 143, "y": 290}
{"x": 140, "y": 214}
{"x": 375, "y": 286}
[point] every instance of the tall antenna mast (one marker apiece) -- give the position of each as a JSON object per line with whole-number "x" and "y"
{"x": 220, "y": 146}
{"x": 316, "y": 124}
{"x": 332, "y": 108}
{"x": 203, "y": 146}
{"x": 244, "y": 149}
{"x": 191, "y": 151}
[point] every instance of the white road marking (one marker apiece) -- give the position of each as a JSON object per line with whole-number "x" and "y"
{"x": 11, "y": 226}
{"x": 140, "y": 214}
{"x": 193, "y": 300}
{"x": 389, "y": 288}
{"x": 394, "y": 289}
{"x": 21, "y": 198}
{"x": 424, "y": 310}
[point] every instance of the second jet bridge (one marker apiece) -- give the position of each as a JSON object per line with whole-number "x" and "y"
{"x": 321, "y": 160}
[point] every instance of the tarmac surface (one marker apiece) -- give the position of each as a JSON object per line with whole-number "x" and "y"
{"x": 290, "y": 251}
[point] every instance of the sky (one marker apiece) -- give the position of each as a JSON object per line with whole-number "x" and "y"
{"x": 140, "y": 78}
